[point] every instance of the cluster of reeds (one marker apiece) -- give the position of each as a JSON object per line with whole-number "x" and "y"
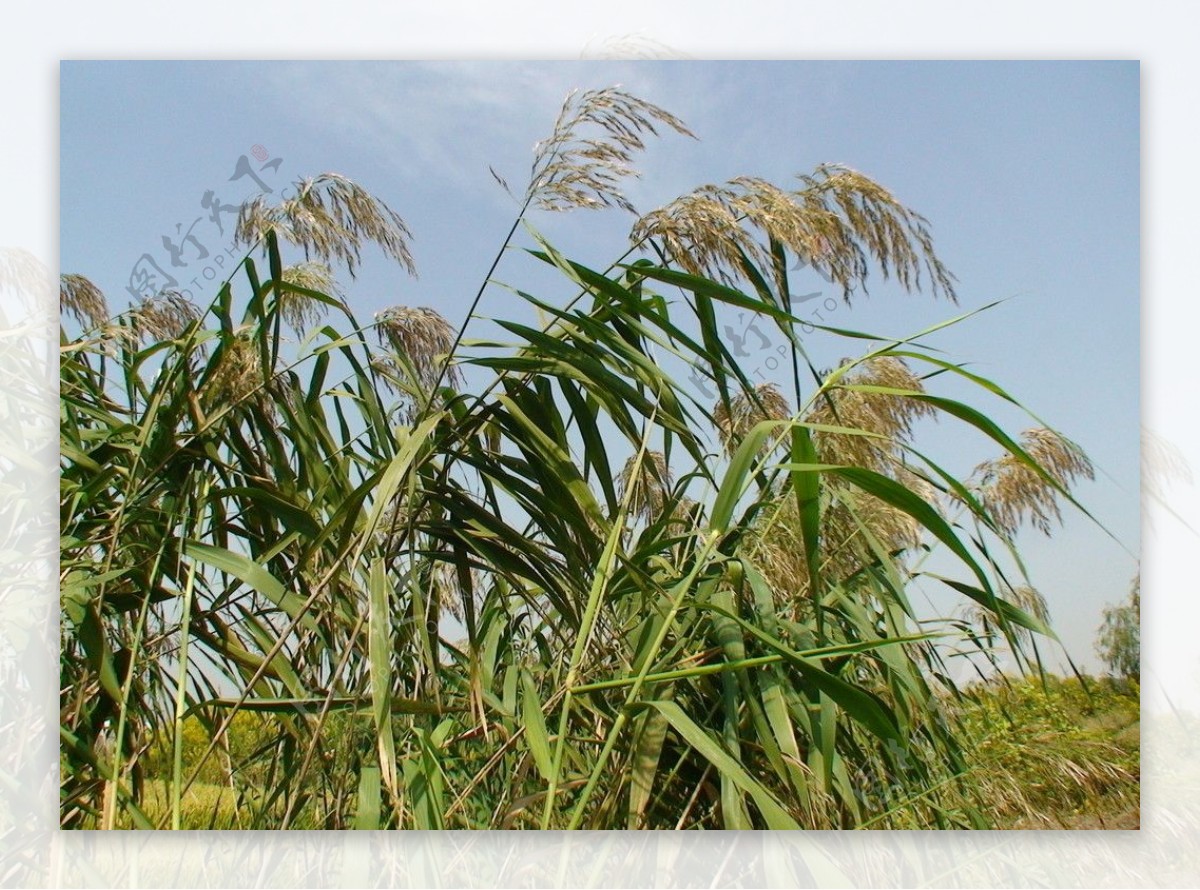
{"x": 474, "y": 617}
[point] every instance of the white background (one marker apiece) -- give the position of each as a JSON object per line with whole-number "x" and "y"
{"x": 1161, "y": 35}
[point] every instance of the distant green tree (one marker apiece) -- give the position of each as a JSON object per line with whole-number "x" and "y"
{"x": 1119, "y": 644}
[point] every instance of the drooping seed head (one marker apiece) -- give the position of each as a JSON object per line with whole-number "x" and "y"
{"x": 80, "y": 297}
{"x": 839, "y": 222}
{"x": 1012, "y": 491}
{"x": 331, "y": 218}
{"x": 164, "y": 316}
{"x": 744, "y": 410}
{"x": 583, "y": 162}
{"x": 647, "y": 483}
{"x": 423, "y": 337}
{"x": 299, "y": 310}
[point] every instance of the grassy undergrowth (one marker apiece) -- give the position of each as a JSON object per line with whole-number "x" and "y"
{"x": 1042, "y": 755}
{"x": 1052, "y": 755}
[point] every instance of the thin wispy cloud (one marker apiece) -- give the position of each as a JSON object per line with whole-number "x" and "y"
{"x": 430, "y": 118}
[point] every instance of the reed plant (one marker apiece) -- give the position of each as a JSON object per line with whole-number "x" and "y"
{"x": 577, "y": 596}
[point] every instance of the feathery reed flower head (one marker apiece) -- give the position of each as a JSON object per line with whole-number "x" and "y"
{"x": 24, "y": 276}
{"x": 888, "y": 417}
{"x": 238, "y": 376}
{"x": 632, "y": 46}
{"x": 301, "y": 311}
{"x": 1011, "y": 491}
{"x": 1028, "y": 599}
{"x": 745, "y": 410}
{"x": 164, "y": 316}
{"x": 837, "y": 221}
{"x": 422, "y": 337}
{"x": 332, "y": 218}
{"x": 572, "y": 169}
{"x": 650, "y": 481}
{"x": 80, "y": 297}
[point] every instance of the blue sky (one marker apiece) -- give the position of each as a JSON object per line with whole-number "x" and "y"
{"x": 1027, "y": 172}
